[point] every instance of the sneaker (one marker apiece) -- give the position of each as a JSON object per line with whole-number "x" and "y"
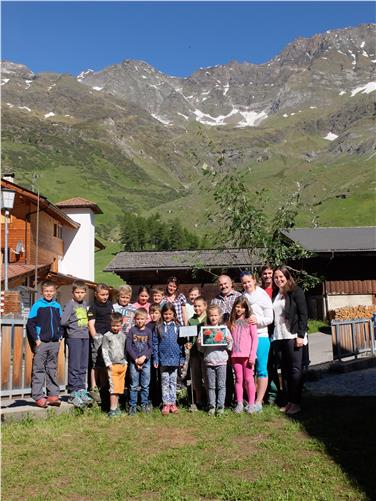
{"x": 165, "y": 410}
{"x": 41, "y": 402}
{"x": 74, "y": 399}
{"x": 174, "y": 409}
{"x": 285, "y": 408}
{"x": 211, "y": 411}
{"x": 54, "y": 401}
{"x": 193, "y": 408}
{"x": 257, "y": 407}
{"x": 146, "y": 408}
{"x": 132, "y": 411}
{"x": 220, "y": 411}
{"x": 95, "y": 395}
{"x": 85, "y": 397}
{"x": 250, "y": 408}
{"x": 114, "y": 413}
{"x": 239, "y": 408}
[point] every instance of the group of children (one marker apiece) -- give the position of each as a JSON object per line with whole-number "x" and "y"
{"x": 137, "y": 347}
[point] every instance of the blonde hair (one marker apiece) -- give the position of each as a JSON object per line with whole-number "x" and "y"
{"x": 125, "y": 289}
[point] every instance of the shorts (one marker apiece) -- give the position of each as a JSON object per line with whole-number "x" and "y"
{"x": 96, "y": 350}
{"x": 116, "y": 378}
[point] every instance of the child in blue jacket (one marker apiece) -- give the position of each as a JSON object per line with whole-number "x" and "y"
{"x": 45, "y": 333}
{"x": 168, "y": 354}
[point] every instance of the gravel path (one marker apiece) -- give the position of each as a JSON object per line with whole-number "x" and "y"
{"x": 361, "y": 383}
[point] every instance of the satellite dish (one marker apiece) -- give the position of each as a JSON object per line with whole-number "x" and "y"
{"x": 19, "y": 247}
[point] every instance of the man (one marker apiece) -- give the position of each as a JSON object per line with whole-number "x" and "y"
{"x": 267, "y": 279}
{"x": 226, "y": 297}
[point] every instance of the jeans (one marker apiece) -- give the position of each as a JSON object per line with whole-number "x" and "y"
{"x": 139, "y": 377}
{"x": 292, "y": 369}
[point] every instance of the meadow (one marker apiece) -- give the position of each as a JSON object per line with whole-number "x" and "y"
{"x": 326, "y": 453}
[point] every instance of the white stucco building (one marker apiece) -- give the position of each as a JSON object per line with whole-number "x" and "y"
{"x": 79, "y": 245}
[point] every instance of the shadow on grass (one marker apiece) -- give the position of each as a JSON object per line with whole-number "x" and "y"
{"x": 346, "y": 426}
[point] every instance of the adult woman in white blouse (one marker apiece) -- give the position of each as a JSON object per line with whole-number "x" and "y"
{"x": 262, "y": 316}
{"x": 290, "y": 328}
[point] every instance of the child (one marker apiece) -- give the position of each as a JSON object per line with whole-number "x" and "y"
{"x": 193, "y": 293}
{"x": 168, "y": 354}
{"x": 215, "y": 360}
{"x": 143, "y": 296}
{"x": 75, "y": 321}
{"x": 157, "y": 295}
{"x": 155, "y": 388}
{"x": 196, "y": 361}
{"x": 139, "y": 348}
{"x": 45, "y": 333}
{"x": 99, "y": 316}
{"x": 244, "y": 335}
{"x": 124, "y": 307}
{"x": 113, "y": 350}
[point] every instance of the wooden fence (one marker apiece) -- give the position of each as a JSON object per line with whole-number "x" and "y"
{"x": 351, "y": 338}
{"x": 17, "y": 359}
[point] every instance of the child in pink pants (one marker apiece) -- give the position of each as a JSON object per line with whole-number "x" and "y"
{"x": 243, "y": 353}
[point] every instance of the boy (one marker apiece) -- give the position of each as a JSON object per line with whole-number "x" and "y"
{"x": 124, "y": 307}
{"x": 139, "y": 349}
{"x": 99, "y": 316}
{"x": 193, "y": 293}
{"x": 45, "y": 333}
{"x": 75, "y": 321}
{"x": 113, "y": 350}
{"x": 196, "y": 359}
{"x": 157, "y": 295}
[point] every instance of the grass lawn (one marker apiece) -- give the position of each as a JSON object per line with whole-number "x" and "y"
{"x": 326, "y": 454}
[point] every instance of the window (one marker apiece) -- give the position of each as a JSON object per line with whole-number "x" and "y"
{"x": 58, "y": 231}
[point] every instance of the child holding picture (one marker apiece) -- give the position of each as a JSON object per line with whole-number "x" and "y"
{"x": 168, "y": 355}
{"x": 244, "y": 335}
{"x": 125, "y": 307}
{"x": 215, "y": 363}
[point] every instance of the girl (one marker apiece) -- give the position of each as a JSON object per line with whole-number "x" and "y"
{"x": 155, "y": 387}
{"x": 290, "y": 327}
{"x": 261, "y": 317}
{"x": 244, "y": 335}
{"x": 174, "y": 296}
{"x": 168, "y": 354}
{"x": 215, "y": 362}
{"x": 143, "y": 296}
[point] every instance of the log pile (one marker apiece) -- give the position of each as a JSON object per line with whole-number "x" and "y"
{"x": 352, "y": 312}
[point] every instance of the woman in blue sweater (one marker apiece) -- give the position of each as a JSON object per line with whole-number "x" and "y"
{"x": 168, "y": 355}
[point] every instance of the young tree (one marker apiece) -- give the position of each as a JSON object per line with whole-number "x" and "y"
{"x": 245, "y": 223}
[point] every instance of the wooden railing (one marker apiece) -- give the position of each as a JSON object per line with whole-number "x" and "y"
{"x": 17, "y": 359}
{"x": 351, "y": 338}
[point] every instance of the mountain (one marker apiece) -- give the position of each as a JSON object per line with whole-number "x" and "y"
{"x": 136, "y": 140}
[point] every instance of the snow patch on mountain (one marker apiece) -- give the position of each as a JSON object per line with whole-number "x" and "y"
{"x": 251, "y": 118}
{"x": 50, "y": 114}
{"x": 366, "y": 89}
{"x": 160, "y": 119}
{"x": 4, "y": 81}
{"x": 97, "y": 88}
{"x": 330, "y": 136}
{"x": 83, "y": 74}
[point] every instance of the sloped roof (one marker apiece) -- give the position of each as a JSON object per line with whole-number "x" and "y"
{"x": 79, "y": 202}
{"x": 184, "y": 259}
{"x": 351, "y": 239}
{"x": 44, "y": 204}
{"x": 20, "y": 269}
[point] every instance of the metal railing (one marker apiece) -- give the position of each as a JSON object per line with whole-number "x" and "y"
{"x": 17, "y": 359}
{"x": 351, "y": 338}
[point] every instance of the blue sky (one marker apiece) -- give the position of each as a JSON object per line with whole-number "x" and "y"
{"x": 175, "y": 37}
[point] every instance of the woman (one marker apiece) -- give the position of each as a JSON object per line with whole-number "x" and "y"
{"x": 290, "y": 328}
{"x": 262, "y": 316}
{"x": 172, "y": 295}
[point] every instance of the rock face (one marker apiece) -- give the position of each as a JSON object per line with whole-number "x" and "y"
{"x": 308, "y": 72}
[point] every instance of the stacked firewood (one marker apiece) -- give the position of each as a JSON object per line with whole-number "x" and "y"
{"x": 352, "y": 312}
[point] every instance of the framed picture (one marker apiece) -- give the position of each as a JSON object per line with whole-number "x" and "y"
{"x": 213, "y": 336}
{"x": 189, "y": 331}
